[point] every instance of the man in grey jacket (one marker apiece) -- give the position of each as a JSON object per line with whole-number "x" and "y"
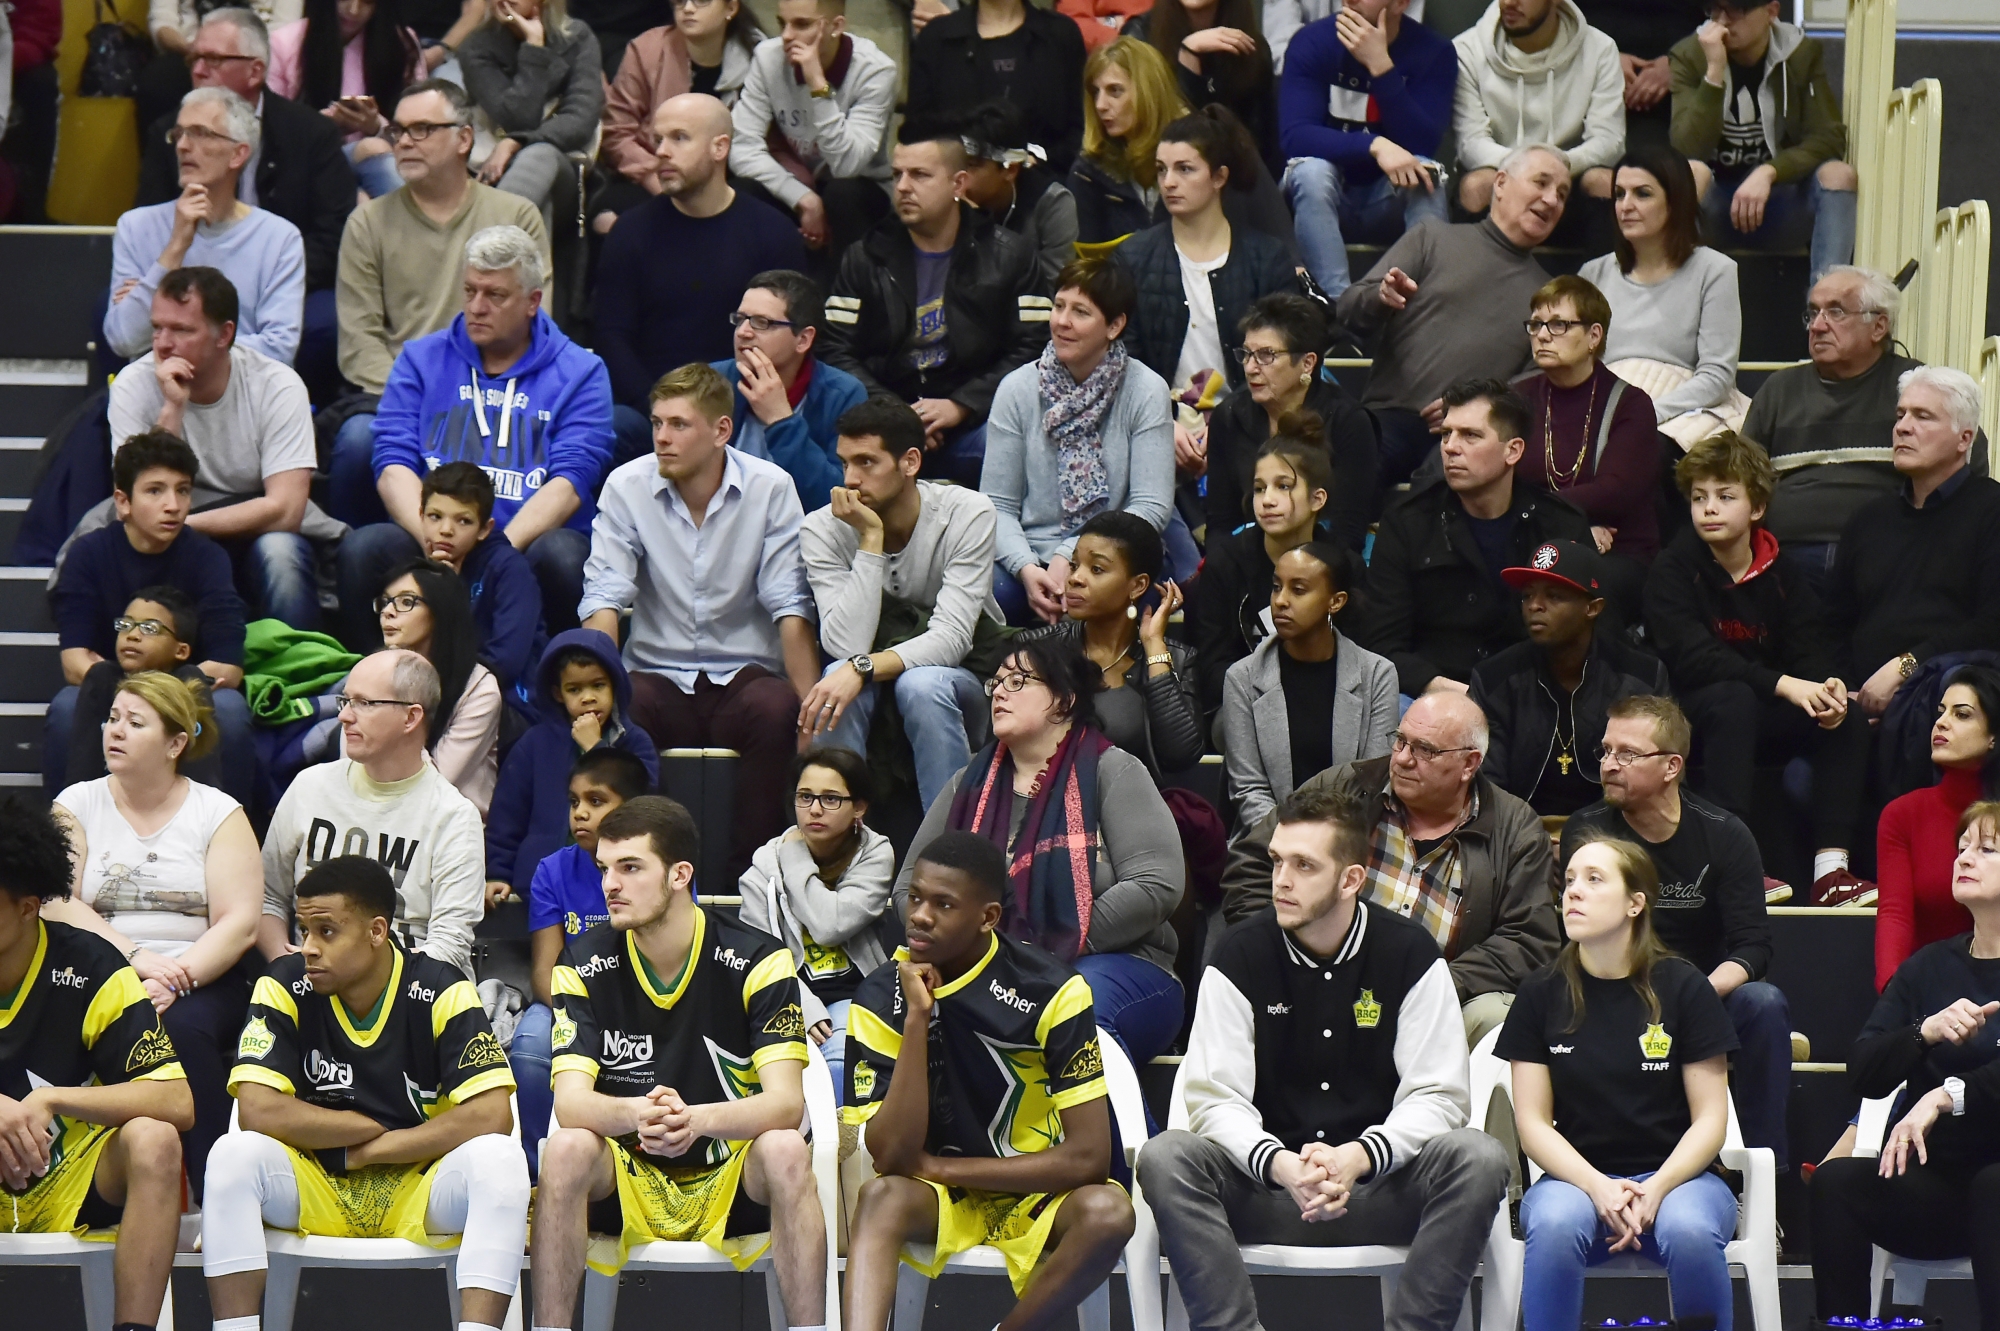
{"x": 1449, "y": 849}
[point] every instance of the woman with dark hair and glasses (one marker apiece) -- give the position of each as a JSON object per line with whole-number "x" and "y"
{"x": 1094, "y": 860}
{"x": 424, "y": 608}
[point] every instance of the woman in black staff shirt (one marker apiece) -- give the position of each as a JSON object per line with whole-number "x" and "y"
{"x": 1935, "y": 1192}
{"x": 1621, "y": 1093}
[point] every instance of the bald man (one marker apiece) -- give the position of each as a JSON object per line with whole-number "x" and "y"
{"x": 1450, "y": 850}
{"x": 673, "y": 267}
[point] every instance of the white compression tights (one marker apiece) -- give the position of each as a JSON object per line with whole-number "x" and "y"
{"x": 480, "y": 1190}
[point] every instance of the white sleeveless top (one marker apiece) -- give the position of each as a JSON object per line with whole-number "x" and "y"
{"x": 154, "y": 889}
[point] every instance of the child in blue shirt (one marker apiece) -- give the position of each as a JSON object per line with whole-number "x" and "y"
{"x": 506, "y": 598}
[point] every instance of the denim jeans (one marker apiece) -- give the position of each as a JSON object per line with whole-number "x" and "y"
{"x": 277, "y": 578}
{"x": 631, "y": 434}
{"x": 1565, "y": 1237}
{"x": 834, "y": 1051}
{"x": 1330, "y": 213}
{"x": 368, "y": 553}
{"x": 351, "y": 495}
{"x": 1137, "y": 1001}
{"x": 1796, "y": 210}
{"x": 318, "y": 356}
{"x": 237, "y": 750}
{"x": 933, "y": 701}
{"x": 530, "y": 1056}
{"x": 1762, "y": 1077}
{"x": 377, "y": 175}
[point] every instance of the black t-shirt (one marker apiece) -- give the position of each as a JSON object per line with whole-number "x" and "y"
{"x": 999, "y": 64}
{"x": 1309, "y": 691}
{"x": 1619, "y": 1098}
{"x": 1493, "y": 536}
{"x": 705, "y": 78}
{"x": 1742, "y": 145}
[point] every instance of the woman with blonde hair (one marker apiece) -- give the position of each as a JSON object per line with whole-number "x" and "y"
{"x": 168, "y": 871}
{"x": 533, "y": 109}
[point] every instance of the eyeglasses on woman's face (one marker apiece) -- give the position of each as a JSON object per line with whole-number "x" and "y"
{"x": 1263, "y": 356}
{"x": 1553, "y": 327}
{"x": 1012, "y": 681}
{"x": 404, "y": 602}
{"x": 826, "y": 799}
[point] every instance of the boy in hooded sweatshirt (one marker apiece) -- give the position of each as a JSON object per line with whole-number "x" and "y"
{"x": 506, "y": 600}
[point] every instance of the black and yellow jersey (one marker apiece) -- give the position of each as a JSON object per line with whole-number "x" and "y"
{"x": 707, "y": 1032}
{"x": 80, "y": 1017}
{"x": 1013, "y": 1043}
{"x": 426, "y": 1047}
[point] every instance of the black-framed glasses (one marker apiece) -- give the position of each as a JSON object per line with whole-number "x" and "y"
{"x": 1012, "y": 681}
{"x": 1553, "y": 327}
{"x": 1264, "y": 356}
{"x": 827, "y": 800}
{"x": 343, "y": 701}
{"x": 196, "y": 58}
{"x": 199, "y": 133}
{"x": 404, "y": 602}
{"x": 148, "y": 628}
{"x": 1425, "y": 751}
{"x": 395, "y": 131}
{"x": 1835, "y": 314}
{"x": 1626, "y": 757}
{"x": 758, "y": 323}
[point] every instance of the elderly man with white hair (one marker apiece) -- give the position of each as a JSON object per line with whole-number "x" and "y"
{"x": 215, "y": 136}
{"x": 506, "y": 389}
{"x": 1449, "y": 849}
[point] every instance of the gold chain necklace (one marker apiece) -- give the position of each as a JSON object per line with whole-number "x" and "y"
{"x": 1558, "y": 481}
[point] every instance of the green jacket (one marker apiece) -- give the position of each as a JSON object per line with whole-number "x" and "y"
{"x": 285, "y": 668}
{"x": 1801, "y": 114}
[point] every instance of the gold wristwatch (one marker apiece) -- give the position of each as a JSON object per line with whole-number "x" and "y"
{"x": 1906, "y": 665}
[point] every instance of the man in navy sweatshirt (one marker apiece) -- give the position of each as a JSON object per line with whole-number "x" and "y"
{"x": 1363, "y": 104}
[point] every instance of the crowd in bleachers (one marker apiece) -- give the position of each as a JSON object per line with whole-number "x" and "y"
{"x": 506, "y": 400}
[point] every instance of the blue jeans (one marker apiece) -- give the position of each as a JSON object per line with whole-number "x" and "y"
{"x": 276, "y": 576}
{"x": 351, "y": 495}
{"x": 237, "y": 750}
{"x": 1138, "y": 1002}
{"x": 1763, "y": 1074}
{"x": 933, "y": 701}
{"x": 834, "y": 1051}
{"x": 318, "y": 357}
{"x": 631, "y": 434}
{"x": 529, "y": 1056}
{"x": 1796, "y": 210}
{"x": 376, "y": 176}
{"x": 960, "y": 460}
{"x": 1565, "y": 1237}
{"x": 1329, "y": 213}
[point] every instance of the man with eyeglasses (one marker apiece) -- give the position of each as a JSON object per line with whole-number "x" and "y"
{"x": 383, "y": 798}
{"x": 1448, "y": 849}
{"x": 1710, "y": 907}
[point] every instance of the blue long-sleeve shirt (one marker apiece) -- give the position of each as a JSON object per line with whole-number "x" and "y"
{"x": 261, "y": 254}
{"x": 506, "y": 608}
{"x": 102, "y": 573}
{"x": 1330, "y": 106}
{"x": 804, "y": 442}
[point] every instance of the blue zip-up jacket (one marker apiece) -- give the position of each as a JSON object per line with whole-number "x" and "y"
{"x": 802, "y": 443}
{"x": 529, "y": 819}
{"x": 441, "y": 406}
{"x": 506, "y": 608}
{"x": 1329, "y": 106}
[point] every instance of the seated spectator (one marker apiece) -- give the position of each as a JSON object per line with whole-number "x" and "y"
{"x": 935, "y": 305}
{"x": 1599, "y": 447}
{"x": 1269, "y": 1155}
{"x": 823, "y": 887}
{"x": 1007, "y": 51}
{"x": 1676, "y": 320}
{"x": 533, "y": 72}
{"x": 424, "y": 607}
{"x": 106, "y": 1097}
{"x": 1279, "y": 343}
{"x": 1754, "y": 106}
{"x": 1645, "y": 31}
{"x": 400, "y": 275}
{"x": 428, "y": 1079}
{"x": 1915, "y": 844}
{"x": 460, "y": 533}
{"x": 350, "y": 63}
{"x": 249, "y": 422}
{"x": 1149, "y": 703}
{"x": 705, "y": 47}
{"x": 888, "y": 545}
{"x": 826, "y": 98}
{"x": 701, "y": 544}
{"x": 1219, "y": 57}
{"x": 673, "y": 267}
{"x": 1026, "y": 789}
{"x": 179, "y": 900}
{"x": 1929, "y": 1036}
{"x": 1740, "y": 629}
{"x": 1440, "y": 306}
{"x": 1083, "y": 430}
{"x": 1628, "y": 1152}
{"x": 1308, "y": 699}
{"x": 1533, "y": 74}
{"x": 1363, "y": 109}
{"x": 262, "y": 255}
{"x": 789, "y": 403}
{"x": 1448, "y": 849}
{"x": 387, "y": 795}
{"x": 1009, "y": 179}
{"x": 963, "y": 1158}
{"x": 1711, "y": 888}
{"x": 1100, "y": 21}
{"x": 565, "y": 897}
{"x": 532, "y": 386}
{"x": 585, "y": 701}
{"x": 1440, "y": 604}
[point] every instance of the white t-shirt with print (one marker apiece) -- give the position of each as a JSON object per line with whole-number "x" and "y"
{"x": 153, "y": 889}
{"x": 1202, "y": 348}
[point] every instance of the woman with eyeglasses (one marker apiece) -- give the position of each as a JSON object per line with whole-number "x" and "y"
{"x": 823, "y": 887}
{"x": 533, "y": 109}
{"x": 424, "y": 608}
{"x": 351, "y": 59}
{"x": 1094, "y": 858}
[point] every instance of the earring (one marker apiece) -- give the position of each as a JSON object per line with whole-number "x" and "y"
{"x": 1306, "y": 378}
{"x": 1132, "y": 610}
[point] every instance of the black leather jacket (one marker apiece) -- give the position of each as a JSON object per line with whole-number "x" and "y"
{"x": 1525, "y": 707}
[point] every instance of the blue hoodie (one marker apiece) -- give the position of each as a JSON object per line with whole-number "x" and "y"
{"x": 506, "y": 609}
{"x": 441, "y": 406}
{"x": 529, "y": 819}
{"x": 803, "y": 442}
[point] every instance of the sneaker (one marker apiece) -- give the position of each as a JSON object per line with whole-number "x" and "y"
{"x": 1841, "y": 888}
{"x": 1776, "y": 892}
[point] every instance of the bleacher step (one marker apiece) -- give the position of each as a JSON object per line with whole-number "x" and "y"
{"x": 24, "y": 601}
{"x": 20, "y": 462}
{"x": 21, "y": 736}
{"x": 30, "y": 666}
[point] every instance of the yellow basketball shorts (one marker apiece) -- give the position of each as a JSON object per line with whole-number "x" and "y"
{"x": 678, "y": 1203}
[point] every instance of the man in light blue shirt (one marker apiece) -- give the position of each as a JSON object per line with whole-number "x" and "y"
{"x": 701, "y": 544}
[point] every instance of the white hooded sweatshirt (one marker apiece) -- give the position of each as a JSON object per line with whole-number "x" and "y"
{"x": 1571, "y": 95}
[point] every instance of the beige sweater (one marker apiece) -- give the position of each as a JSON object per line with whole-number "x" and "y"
{"x": 401, "y": 274}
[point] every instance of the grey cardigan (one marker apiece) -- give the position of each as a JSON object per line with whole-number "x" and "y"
{"x": 1256, "y": 732}
{"x": 784, "y": 897}
{"x": 1137, "y": 875}
{"x": 551, "y": 94}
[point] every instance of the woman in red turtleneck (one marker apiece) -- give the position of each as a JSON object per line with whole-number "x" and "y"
{"x": 1917, "y": 839}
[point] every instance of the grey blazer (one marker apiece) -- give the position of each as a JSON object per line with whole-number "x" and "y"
{"x": 1256, "y": 736}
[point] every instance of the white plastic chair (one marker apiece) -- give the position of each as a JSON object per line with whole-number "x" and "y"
{"x": 600, "y": 1292}
{"x": 1755, "y": 1248}
{"x": 1140, "y": 1265}
{"x": 1911, "y": 1276}
{"x": 91, "y": 1260}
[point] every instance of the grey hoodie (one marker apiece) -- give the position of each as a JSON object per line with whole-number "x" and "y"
{"x": 1571, "y": 95}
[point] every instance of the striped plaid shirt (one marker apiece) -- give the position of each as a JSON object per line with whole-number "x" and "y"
{"x": 1427, "y": 888}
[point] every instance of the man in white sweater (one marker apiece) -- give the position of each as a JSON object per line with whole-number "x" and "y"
{"x": 385, "y": 799}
